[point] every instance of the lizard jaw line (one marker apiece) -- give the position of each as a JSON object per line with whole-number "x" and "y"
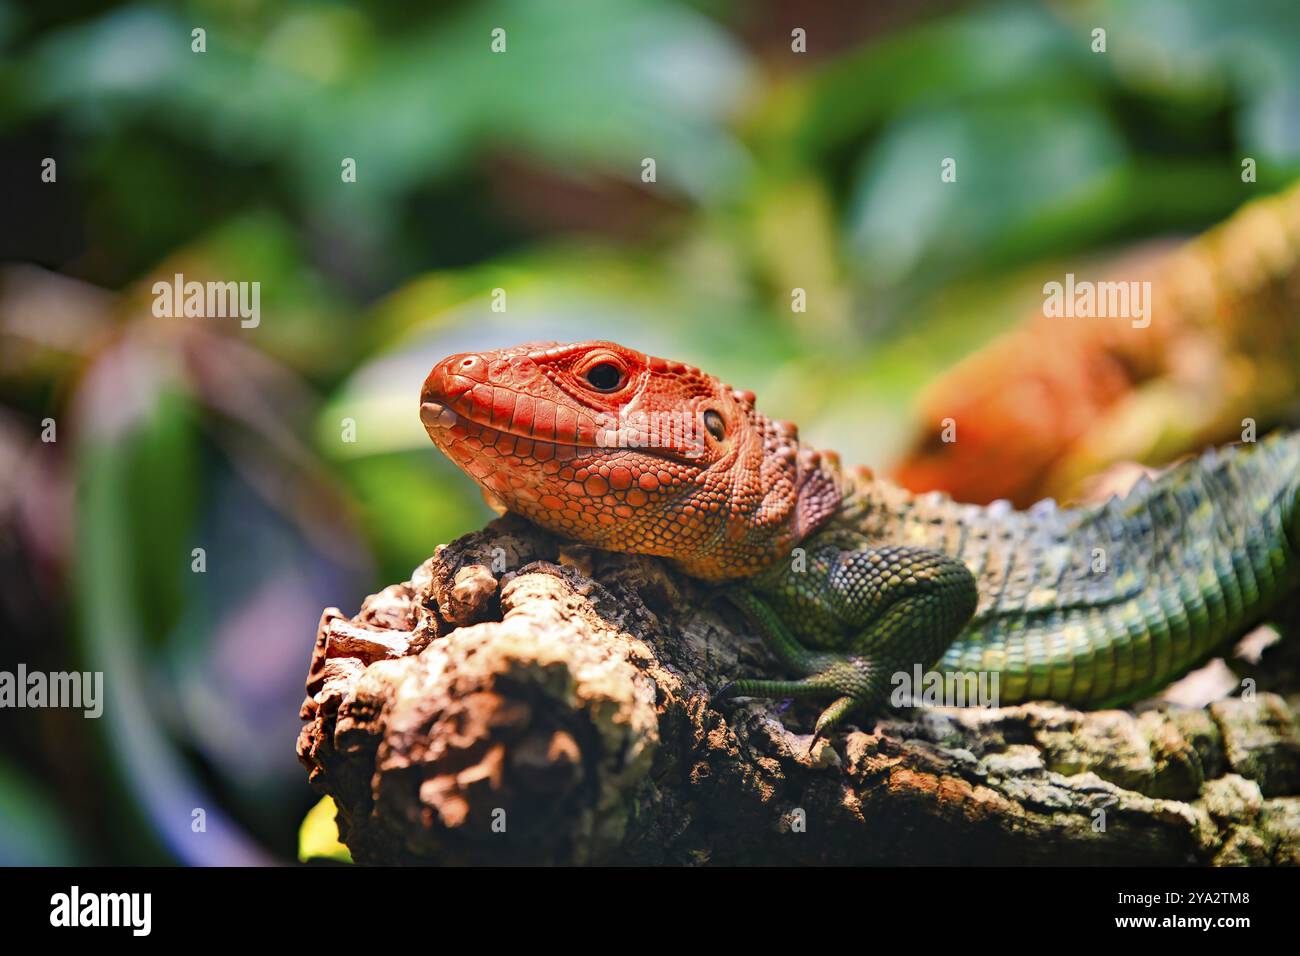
{"x": 440, "y": 418}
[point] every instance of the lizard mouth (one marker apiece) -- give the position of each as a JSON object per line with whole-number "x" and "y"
{"x": 440, "y": 419}
{"x": 542, "y": 477}
{"x": 437, "y": 417}
{"x": 450, "y": 428}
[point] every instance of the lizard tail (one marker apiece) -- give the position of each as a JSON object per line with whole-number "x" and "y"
{"x": 1188, "y": 562}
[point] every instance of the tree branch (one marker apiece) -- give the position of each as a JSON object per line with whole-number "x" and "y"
{"x": 556, "y": 712}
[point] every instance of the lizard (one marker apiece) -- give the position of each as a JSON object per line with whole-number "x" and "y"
{"x": 850, "y": 579}
{"x": 1052, "y": 402}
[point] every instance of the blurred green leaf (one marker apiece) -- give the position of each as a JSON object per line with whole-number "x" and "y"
{"x": 1177, "y": 48}
{"x": 132, "y": 414}
{"x": 318, "y": 838}
{"x": 1017, "y": 165}
{"x": 301, "y": 319}
{"x": 31, "y": 833}
{"x": 164, "y": 476}
{"x": 411, "y": 502}
{"x": 589, "y": 82}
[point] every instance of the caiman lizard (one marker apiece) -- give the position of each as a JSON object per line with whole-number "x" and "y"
{"x": 851, "y": 580}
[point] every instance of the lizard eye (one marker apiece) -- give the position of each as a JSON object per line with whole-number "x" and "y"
{"x": 714, "y": 423}
{"x": 604, "y": 376}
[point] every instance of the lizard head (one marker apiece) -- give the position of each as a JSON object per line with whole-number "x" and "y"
{"x": 628, "y": 452}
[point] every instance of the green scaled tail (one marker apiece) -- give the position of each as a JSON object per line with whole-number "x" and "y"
{"x": 1100, "y": 606}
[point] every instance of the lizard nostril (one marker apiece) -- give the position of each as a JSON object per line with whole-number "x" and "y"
{"x": 471, "y": 366}
{"x": 454, "y": 376}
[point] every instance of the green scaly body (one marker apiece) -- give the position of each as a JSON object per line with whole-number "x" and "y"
{"x": 1095, "y": 606}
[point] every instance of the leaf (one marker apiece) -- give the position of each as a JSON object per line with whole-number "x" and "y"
{"x": 318, "y": 837}
{"x": 31, "y": 832}
{"x": 1017, "y": 165}
{"x": 586, "y": 83}
{"x": 129, "y": 417}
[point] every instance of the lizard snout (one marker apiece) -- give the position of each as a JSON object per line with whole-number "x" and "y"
{"x": 453, "y": 377}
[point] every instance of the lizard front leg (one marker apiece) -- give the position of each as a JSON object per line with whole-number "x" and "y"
{"x": 872, "y": 612}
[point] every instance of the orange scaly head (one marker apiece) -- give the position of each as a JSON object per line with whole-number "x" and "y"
{"x": 628, "y": 452}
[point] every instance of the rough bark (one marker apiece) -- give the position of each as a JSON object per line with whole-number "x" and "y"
{"x": 526, "y": 700}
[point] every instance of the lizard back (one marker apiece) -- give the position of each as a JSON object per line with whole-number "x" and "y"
{"x": 1102, "y": 604}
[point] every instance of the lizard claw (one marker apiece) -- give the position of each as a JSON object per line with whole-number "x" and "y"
{"x": 812, "y": 743}
{"x": 830, "y": 717}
